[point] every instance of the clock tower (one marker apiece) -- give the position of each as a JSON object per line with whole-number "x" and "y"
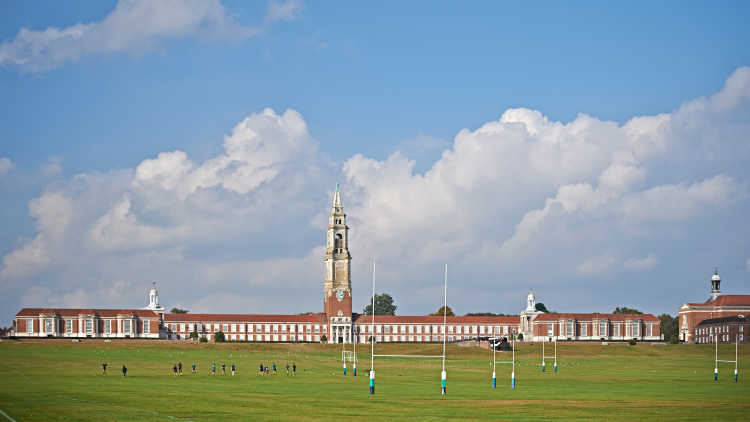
{"x": 337, "y": 286}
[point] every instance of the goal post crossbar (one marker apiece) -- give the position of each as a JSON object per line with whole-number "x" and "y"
{"x": 410, "y": 356}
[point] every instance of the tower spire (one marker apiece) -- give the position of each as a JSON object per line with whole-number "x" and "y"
{"x": 337, "y": 200}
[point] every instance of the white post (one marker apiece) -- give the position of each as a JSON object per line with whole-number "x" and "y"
{"x": 445, "y": 332}
{"x": 372, "y": 334}
{"x": 736, "y": 355}
{"x": 513, "y": 372}
{"x": 494, "y": 359}
{"x": 543, "y": 356}
{"x": 554, "y": 368}
{"x": 716, "y": 358}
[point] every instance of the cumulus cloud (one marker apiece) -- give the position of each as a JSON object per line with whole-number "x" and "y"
{"x": 134, "y": 26}
{"x": 567, "y": 208}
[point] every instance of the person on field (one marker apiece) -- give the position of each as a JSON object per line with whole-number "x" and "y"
{"x": 193, "y": 368}
{"x": 261, "y": 369}
{"x": 179, "y": 367}
{"x": 223, "y": 369}
{"x": 104, "y": 368}
{"x": 124, "y": 370}
{"x": 232, "y": 369}
{"x": 213, "y": 368}
{"x": 174, "y": 369}
{"x": 274, "y": 368}
{"x": 287, "y": 369}
{"x": 294, "y": 369}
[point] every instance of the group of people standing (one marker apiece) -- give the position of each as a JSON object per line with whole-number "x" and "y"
{"x": 177, "y": 369}
{"x": 265, "y": 370}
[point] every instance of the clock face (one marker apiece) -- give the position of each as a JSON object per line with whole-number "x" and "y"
{"x": 340, "y": 295}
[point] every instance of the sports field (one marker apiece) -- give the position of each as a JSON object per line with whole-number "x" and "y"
{"x": 61, "y": 380}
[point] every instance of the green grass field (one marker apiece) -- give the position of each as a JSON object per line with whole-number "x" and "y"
{"x": 61, "y": 380}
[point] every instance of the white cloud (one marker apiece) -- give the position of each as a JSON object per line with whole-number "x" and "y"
{"x": 680, "y": 202}
{"x": 134, "y": 26}
{"x": 641, "y": 264}
{"x": 53, "y": 212}
{"x": 5, "y": 165}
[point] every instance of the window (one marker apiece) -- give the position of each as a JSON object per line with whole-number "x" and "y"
{"x": 603, "y": 328}
{"x": 48, "y": 326}
{"x": 419, "y": 329}
{"x": 89, "y": 326}
{"x": 29, "y": 325}
{"x": 275, "y": 328}
{"x": 635, "y": 329}
{"x": 569, "y": 328}
{"x": 68, "y": 326}
{"x": 650, "y": 330}
{"x": 125, "y": 326}
{"x": 199, "y": 327}
{"x": 550, "y": 330}
{"x": 583, "y": 330}
{"x": 146, "y": 327}
{"x": 317, "y": 328}
{"x": 225, "y": 328}
{"x": 617, "y": 330}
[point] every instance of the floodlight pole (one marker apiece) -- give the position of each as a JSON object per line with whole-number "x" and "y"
{"x": 445, "y": 332}
{"x": 372, "y": 334}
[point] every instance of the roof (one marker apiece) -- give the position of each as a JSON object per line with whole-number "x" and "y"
{"x": 723, "y": 320}
{"x": 102, "y": 313}
{"x": 243, "y": 318}
{"x": 586, "y": 317}
{"x": 724, "y": 300}
{"x": 435, "y": 319}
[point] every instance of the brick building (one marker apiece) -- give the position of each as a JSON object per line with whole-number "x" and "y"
{"x": 87, "y": 323}
{"x": 610, "y": 327}
{"x": 337, "y": 322}
{"x": 718, "y": 305}
{"x": 723, "y": 330}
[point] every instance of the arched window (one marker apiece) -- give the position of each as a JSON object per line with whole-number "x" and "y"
{"x": 339, "y": 241}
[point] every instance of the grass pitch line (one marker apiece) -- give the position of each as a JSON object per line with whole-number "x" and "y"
{"x": 6, "y": 415}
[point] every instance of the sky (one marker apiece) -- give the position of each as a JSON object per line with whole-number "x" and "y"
{"x": 593, "y": 153}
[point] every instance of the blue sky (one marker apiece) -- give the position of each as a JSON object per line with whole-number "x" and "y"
{"x": 368, "y": 80}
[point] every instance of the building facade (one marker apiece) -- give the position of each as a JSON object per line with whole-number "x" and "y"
{"x": 595, "y": 326}
{"x": 723, "y": 330}
{"x": 336, "y": 324}
{"x": 718, "y": 305}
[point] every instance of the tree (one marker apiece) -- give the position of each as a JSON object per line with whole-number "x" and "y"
{"x": 178, "y": 311}
{"x": 541, "y": 308}
{"x": 219, "y": 337}
{"x": 626, "y": 310}
{"x": 520, "y": 336}
{"x": 194, "y": 335}
{"x": 668, "y": 326}
{"x": 383, "y": 306}
{"x": 448, "y": 311}
{"x": 323, "y": 338}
